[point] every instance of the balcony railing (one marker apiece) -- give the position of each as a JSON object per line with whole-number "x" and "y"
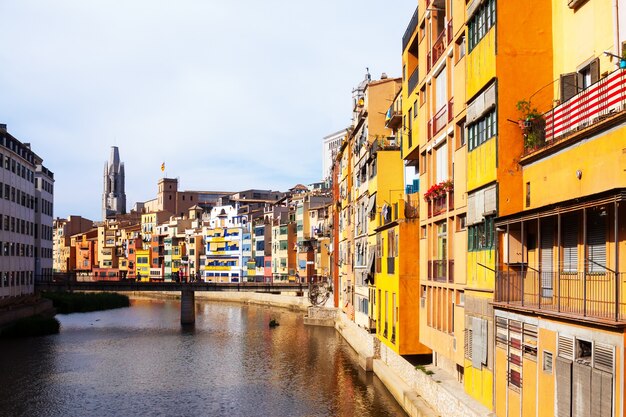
{"x": 410, "y": 30}
{"x": 438, "y": 121}
{"x": 450, "y": 109}
{"x": 599, "y": 101}
{"x": 449, "y": 33}
{"x": 591, "y": 295}
{"x": 441, "y": 270}
{"x": 438, "y": 205}
{"x": 413, "y": 79}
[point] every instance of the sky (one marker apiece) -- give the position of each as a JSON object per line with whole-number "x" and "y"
{"x": 231, "y": 95}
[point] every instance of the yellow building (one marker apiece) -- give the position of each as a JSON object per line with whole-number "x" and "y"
{"x": 142, "y": 264}
{"x": 433, "y": 132}
{"x": 559, "y": 301}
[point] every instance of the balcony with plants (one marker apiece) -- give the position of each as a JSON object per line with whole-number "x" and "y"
{"x": 591, "y": 108}
{"x": 440, "y": 197}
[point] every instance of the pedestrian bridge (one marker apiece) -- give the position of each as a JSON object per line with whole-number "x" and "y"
{"x": 187, "y": 290}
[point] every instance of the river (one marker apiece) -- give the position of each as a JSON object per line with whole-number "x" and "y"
{"x": 139, "y": 361}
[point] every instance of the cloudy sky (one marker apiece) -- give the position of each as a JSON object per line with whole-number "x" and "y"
{"x": 230, "y": 94}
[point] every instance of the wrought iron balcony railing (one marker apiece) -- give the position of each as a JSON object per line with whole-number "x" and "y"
{"x": 589, "y": 295}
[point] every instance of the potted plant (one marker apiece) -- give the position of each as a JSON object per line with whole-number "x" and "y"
{"x": 532, "y": 124}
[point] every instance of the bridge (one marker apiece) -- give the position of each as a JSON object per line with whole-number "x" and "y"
{"x": 187, "y": 290}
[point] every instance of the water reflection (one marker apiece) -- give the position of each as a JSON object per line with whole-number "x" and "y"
{"x": 139, "y": 361}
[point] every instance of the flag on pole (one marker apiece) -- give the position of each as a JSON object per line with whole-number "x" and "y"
{"x": 163, "y": 167}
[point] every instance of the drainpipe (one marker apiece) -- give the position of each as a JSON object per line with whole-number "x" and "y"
{"x": 616, "y": 36}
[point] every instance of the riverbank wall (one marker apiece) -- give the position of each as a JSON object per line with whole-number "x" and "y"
{"x": 13, "y": 313}
{"x": 422, "y": 392}
{"x": 288, "y": 300}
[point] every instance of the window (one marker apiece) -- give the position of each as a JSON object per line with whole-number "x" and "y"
{"x": 483, "y": 19}
{"x": 481, "y": 235}
{"x": 441, "y": 90}
{"x": 547, "y": 362}
{"x": 441, "y": 154}
{"x": 482, "y": 130}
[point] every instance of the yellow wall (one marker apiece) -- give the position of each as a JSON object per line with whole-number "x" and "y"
{"x": 501, "y": 383}
{"x": 481, "y": 165}
{"x": 601, "y": 161}
{"x": 479, "y": 384}
{"x": 573, "y": 46}
{"x": 477, "y": 276}
{"x": 546, "y": 381}
{"x": 481, "y": 63}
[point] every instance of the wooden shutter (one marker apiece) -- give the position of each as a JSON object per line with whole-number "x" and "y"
{"x": 594, "y": 69}
{"x": 563, "y": 372}
{"x": 569, "y": 86}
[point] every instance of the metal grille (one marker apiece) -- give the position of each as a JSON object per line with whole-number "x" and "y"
{"x": 468, "y": 343}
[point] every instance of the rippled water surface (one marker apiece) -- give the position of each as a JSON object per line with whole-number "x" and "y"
{"x": 139, "y": 361}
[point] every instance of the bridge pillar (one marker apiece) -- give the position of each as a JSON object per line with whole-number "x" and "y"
{"x": 187, "y": 307}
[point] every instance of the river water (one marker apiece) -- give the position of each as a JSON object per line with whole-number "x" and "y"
{"x": 138, "y": 361}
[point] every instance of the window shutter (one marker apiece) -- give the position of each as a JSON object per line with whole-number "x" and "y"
{"x": 471, "y": 210}
{"x": 569, "y": 86}
{"x": 547, "y": 251}
{"x": 490, "y": 200}
{"x": 563, "y": 371}
{"x": 601, "y": 394}
{"x": 581, "y": 394}
{"x": 570, "y": 244}
{"x": 596, "y": 243}
{"x": 594, "y": 68}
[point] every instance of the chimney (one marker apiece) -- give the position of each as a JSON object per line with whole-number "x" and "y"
{"x": 3, "y": 126}
{"x": 383, "y": 76}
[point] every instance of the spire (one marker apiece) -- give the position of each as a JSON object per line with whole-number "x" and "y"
{"x": 113, "y": 196}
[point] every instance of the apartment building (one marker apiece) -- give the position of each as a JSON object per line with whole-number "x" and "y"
{"x": 559, "y": 309}
{"x": 26, "y": 217}
{"x": 63, "y": 229}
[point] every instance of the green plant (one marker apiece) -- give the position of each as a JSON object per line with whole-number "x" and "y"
{"x": 423, "y": 369}
{"x": 532, "y": 124}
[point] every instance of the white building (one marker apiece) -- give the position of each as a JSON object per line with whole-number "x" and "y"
{"x": 25, "y": 217}
{"x": 330, "y": 147}
{"x": 224, "y": 238}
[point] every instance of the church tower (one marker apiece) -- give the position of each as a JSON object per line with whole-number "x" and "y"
{"x": 114, "y": 195}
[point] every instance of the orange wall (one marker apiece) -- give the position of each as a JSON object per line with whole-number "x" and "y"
{"x": 524, "y": 53}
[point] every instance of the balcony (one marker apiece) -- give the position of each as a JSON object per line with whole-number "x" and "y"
{"x": 411, "y": 206}
{"x": 439, "y": 120}
{"x": 408, "y": 33}
{"x": 413, "y": 79}
{"x": 449, "y": 33}
{"x": 438, "y": 205}
{"x": 594, "y": 296}
{"x": 439, "y": 46}
{"x": 441, "y": 270}
{"x": 600, "y": 101}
